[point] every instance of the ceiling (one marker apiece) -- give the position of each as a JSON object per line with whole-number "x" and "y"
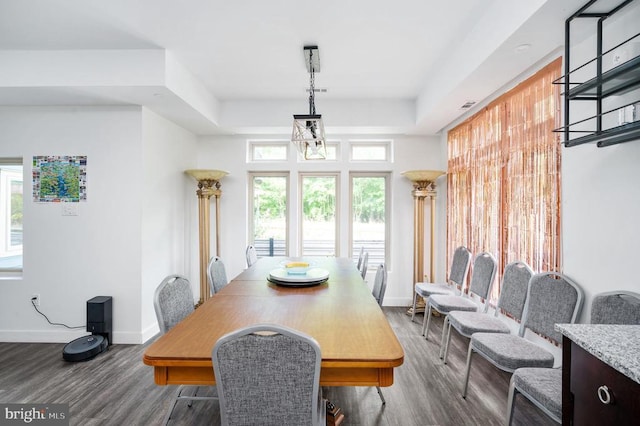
{"x": 221, "y": 67}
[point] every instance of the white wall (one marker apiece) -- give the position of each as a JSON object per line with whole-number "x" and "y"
{"x": 168, "y": 204}
{"x": 70, "y": 259}
{"x": 411, "y": 153}
{"x": 601, "y": 198}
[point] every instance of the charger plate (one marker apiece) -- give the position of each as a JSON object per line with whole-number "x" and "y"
{"x": 313, "y": 276}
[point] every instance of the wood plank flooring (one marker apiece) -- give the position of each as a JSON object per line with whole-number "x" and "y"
{"x": 116, "y": 388}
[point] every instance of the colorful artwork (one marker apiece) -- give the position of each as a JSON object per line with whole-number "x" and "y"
{"x": 59, "y": 178}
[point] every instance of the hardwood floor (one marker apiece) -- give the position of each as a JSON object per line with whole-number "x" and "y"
{"x": 116, "y": 388}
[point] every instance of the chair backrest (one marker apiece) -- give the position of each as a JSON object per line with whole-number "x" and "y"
{"x": 268, "y": 374}
{"x": 360, "y": 257}
{"x": 459, "y": 267}
{"x": 380, "y": 284}
{"x": 513, "y": 293}
{"x": 172, "y": 301}
{"x": 216, "y": 275}
{"x": 616, "y": 307}
{"x": 252, "y": 255}
{"x": 483, "y": 276}
{"x": 552, "y": 299}
{"x": 365, "y": 265}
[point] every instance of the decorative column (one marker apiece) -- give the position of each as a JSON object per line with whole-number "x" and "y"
{"x": 423, "y": 187}
{"x": 208, "y": 185}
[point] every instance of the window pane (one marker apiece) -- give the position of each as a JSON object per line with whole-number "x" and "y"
{"x": 332, "y": 151}
{"x": 377, "y": 152}
{"x": 368, "y": 212}
{"x": 319, "y": 216}
{"x": 11, "y": 202}
{"x": 270, "y": 215}
{"x": 265, "y": 152}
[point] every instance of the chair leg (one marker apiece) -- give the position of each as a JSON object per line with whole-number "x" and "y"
{"x": 443, "y": 340}
{"x": 446, "y": 347}
{"x": 415, "y": 300}
{"x": 381, "y": 396}
{"x": 510, "y": 401}
{"x": 424, "y": 318}
{"x": 427, "y": 323}
{"x": 167, "y": 416}
{"x": 466, "y": 374}
{"x": 195, "y": 393}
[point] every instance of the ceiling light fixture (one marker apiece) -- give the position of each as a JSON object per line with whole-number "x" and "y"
{"x": 522, "y": 48}
{"x": 308, "y": 129}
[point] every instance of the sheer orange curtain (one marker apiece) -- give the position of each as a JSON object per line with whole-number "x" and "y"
{"x": 503, "y": 180}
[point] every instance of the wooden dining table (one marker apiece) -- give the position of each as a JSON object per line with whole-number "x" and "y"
{"x": 358, "y": 346}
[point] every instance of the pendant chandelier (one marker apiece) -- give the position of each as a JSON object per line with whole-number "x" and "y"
{"x": 308, "y": 129}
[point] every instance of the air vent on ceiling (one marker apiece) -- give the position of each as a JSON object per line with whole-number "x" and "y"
{"x": 468, "y": 105}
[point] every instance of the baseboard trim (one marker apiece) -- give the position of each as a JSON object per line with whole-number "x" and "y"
{"x": 63, "y": 336}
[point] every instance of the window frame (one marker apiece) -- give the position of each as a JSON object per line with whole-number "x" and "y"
{"x": 250, "y": 205}
{"x": 301, "y": 176}
{"x": 387, "y": 211}
{"x": 330, "y": 143}
{"x": 386, "y": 143}
{"x": 6, "y": 180}
{"x": 253, "y": 143}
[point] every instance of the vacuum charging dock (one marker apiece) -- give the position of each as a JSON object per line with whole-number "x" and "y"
{"x": 99, "y": 323}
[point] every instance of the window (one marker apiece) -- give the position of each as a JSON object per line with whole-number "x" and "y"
{"x": 370, "y": 150}
{"x": 11, "y": 203}
{"x": 268, "y": 151}
{"x": 333, "y": 152}
{"x": 332, "y": 208}
{"x": 269, "y": 208}
{"x": 319, "y": 211}
{"x": 370, "y": 215}
{"x": 504, "y": 177}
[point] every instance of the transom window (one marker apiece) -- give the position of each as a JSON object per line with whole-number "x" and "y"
{"x": 370, "y": 150}
{"x": 268, "y": 150}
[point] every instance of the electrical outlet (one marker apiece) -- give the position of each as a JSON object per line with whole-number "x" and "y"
{"x": 35, "y": 299}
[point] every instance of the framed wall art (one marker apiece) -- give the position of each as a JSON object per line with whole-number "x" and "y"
{"x": 59, "y": 178}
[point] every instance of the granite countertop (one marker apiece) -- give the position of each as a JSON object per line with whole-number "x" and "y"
{"x": 616, "y": 345}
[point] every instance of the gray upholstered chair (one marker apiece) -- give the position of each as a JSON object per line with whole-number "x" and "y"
{"x": 482, "y": 278}
{"x": 360, "y": 257}
{"x": 380, "y": 284}
{"x": 513, "y": 293}
{"x": 552, "y": 298}
{"x": 616, "y": 307}
{"x": 268, "y": 374}
{"x": 216, "y": 275}
{"x": 543, "y": 386}
{"x": 173, "y": 301}
{"x": 379, "y": 288}
{"x": 457, "y": 278}
{"x": 364, "y": 265}
{"x": 252, "y": 255}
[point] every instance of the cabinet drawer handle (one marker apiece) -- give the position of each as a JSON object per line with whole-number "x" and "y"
{"x": 604, "y": 395}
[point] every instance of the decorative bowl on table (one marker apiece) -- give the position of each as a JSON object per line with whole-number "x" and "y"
{"x": 296, "y": 268}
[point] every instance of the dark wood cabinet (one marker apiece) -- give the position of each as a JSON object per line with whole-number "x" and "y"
{"x": 593, "y": 393}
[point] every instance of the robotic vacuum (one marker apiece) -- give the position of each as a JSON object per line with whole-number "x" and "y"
{"x": 84, "y": 348}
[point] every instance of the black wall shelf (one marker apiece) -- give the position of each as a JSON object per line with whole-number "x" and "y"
{"x": 621, "y": 79}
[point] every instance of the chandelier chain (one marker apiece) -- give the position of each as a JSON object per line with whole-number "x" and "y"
{"x": 312, "y": 91}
